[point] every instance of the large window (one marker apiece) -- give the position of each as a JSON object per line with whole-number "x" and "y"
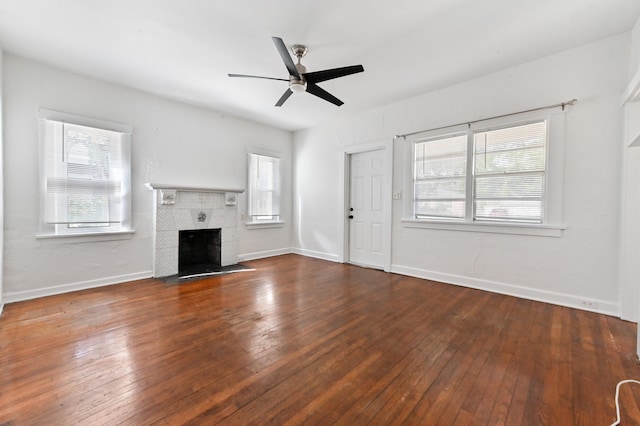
{"x": 496, "y": 173}
{"x": 264, "y": 188}
{"x": 86, "y": 182}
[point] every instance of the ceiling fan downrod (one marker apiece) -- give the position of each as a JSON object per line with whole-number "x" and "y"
{"x": 298, "y": 85}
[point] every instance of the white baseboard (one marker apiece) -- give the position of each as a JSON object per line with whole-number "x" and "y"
{"x": 263, "y": 254}
{"x": 290, "y": 250}
{"x": 317, "y": 254}
{"x": 562, "y": 299}
{"x": 18, "y": 296}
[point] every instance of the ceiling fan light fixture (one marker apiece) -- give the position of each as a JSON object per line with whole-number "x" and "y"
{"x": 298, "y": 86}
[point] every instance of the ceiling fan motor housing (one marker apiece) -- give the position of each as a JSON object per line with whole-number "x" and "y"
{"x": 298, "y": 85}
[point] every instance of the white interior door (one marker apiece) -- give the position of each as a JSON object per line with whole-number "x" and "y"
{"x": 366, "y": 209}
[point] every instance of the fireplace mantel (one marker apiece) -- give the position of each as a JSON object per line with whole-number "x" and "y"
{"x": 172, "y": 187}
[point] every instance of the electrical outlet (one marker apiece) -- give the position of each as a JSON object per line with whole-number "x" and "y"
{"x": 397, "y": 195}
{"x": 589, "y": 304}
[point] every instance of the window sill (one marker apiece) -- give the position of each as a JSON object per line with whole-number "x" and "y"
{"x": 262, "y": 225}
{"x": 494, "y": 228}
{"x": 89, "y": 237}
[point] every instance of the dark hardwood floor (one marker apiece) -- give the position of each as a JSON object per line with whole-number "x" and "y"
{"x": 305, "y": 341}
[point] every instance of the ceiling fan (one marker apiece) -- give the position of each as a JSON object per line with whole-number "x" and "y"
{"x": 300, "y": 80}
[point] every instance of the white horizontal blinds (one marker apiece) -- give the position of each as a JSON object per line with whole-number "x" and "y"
{"x": 83, "y": 175}
{"x": 439, "y": 177}
{"x": 509, "y": 172}
{"x": 264, "y": 200}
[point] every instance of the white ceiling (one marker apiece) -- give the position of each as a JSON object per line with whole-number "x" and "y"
{"x": 183, "y": 49}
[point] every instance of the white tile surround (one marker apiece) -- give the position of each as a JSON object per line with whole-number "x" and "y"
{"x": 184, "y": 215}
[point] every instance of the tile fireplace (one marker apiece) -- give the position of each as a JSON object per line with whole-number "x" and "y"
{"x": 180, "y": 208}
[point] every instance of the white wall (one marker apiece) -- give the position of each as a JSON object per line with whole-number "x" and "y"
{"x": 172, "y": 143}
{"x": 581, "y": 264}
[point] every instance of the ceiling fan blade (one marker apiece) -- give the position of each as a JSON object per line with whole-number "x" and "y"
{"x": 323, "y": 94}
{"x": 257, "y": 76}
{"x": 324, "y": 75}
{"x": 286, "y": 58}
{"x": 284, "y": 97}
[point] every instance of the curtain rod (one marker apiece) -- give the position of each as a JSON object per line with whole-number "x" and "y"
{"x": 469, "y": 123}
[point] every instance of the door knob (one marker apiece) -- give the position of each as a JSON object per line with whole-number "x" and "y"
{"x": 350, "y": 216}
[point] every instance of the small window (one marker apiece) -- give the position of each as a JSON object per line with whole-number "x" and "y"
{"x": 86, "y": 183}
{"x": 264, "y": 188}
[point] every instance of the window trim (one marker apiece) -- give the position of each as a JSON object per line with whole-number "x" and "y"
{"x": 553, "y": 186}
{"x": 278, "y": 220}
{"x": 48, "y": 230}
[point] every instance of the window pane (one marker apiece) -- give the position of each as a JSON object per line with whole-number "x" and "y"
{"x": 89, "y": 168}
{"x": 509, "y": 170}
{"x": 439, "y": 209}
{"x": 528, "y": 159}
{"x": 509, "y": 210}
{"x": 516, "y": 137}
{"x": 84, "y": 175}
{"x": 88, "y": 208}
{"x": 440, "y": 189}
{"x": 439, "y": 177}
{"x": 509, "y": 186}
{"x": 441, "y": 157}
{"x": 264, "y": 187}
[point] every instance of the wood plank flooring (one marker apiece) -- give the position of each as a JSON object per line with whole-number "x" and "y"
{"x": 305, "y": 341}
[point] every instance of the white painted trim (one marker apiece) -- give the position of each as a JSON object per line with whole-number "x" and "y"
{"x": 262, "y": 225}
{"x": 495, "y": 228}
{"x": 90, "y": 237}
{"x": 345, "y": 190}
{"x": 157, "y": 186}
{"x": 385, "y": 145}
{"x": 18, "y": 296}
{"x": 561, "y": 299}
{"x": 263, "y": 254}
{"x": 80, "y": 120}
{"x": 318, "y": 255}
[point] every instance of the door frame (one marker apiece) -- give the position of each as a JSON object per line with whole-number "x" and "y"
{"x": 386, "y": 146}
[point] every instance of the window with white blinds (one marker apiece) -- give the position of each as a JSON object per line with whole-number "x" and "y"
{"x": 509, "y": 171}
{"x": 86, "y": 178}
{"x": 493, "y": 176}
{"x": 440, "y": 177}
{"x": 264, "y": 188}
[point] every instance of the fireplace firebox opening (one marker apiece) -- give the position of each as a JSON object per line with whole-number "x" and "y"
{"x": 199, "y": 251}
